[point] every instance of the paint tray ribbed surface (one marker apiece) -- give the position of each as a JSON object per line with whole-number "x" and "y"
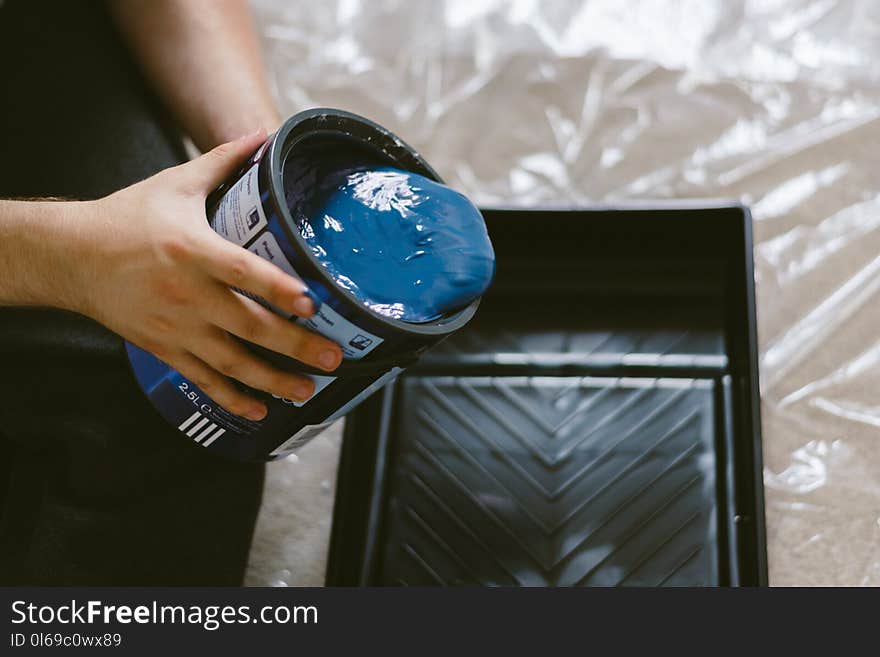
{"x": 596, "y": 424}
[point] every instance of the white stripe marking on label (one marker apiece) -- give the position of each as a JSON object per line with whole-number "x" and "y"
{"x": 204, "y": 433}
{"x": 188, "y": 421}
{"x": 213, "y": 438}
{"x": 198, "y": 425}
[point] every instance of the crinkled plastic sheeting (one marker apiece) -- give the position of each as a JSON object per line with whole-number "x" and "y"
{"x": 774, "y": 102}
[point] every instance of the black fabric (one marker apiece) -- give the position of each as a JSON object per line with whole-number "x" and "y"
{"x": 96, "y": 488}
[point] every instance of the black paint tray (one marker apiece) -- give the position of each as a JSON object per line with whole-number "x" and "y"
{"x": 597, "y": 424}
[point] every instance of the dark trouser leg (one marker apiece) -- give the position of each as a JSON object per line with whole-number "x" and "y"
{"x": 94, "y": 487}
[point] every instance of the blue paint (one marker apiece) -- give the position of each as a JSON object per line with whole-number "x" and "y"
{"x": 405, "y": 246}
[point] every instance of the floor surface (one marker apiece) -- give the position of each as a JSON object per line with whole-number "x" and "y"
{"x": 525, "y": 102}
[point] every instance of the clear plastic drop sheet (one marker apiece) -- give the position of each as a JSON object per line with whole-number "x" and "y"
{"x": 773, "y": 102}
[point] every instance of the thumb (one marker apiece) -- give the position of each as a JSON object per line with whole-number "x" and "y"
{"x": 214, "y": 167}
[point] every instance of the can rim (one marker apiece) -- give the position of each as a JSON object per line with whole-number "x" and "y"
{"x": 313, "y": 122}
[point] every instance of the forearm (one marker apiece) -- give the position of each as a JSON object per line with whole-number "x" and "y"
{"x": 203, "y": 57}
{"x": 39, "y": 246}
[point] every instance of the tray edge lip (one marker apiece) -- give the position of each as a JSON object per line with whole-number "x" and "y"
{"x": 629, "y": 205}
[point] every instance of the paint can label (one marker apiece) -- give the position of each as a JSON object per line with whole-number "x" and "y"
{"x": 240, "y": 219}
{"x": 239, "y": 216}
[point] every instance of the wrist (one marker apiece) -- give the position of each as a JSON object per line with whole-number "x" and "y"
{"x": 37, "y": 262}
{"x": 68, "y": 254}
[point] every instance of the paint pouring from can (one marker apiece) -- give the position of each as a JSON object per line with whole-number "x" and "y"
{"x": 253, "y": 210}
{"x": 406, "y": 246}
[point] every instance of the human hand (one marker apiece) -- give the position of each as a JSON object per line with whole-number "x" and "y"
{"x": 150, "y": 268}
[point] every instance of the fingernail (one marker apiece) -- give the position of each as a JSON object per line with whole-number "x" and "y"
{"x": 316, "y": 300}
{"x": 303, "y": 307}
{"x": 329, "y": 359}
{"x": 302, "y": 391}
{"x": 256, "y": 413}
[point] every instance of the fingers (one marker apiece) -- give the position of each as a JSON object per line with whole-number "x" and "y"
{"x": 214, "y": 167}
{"x": 239, "y": 268}
{"x": 252, "y": 322}
{"x": 218, "y": 387}
{"x": 230, "y": 358}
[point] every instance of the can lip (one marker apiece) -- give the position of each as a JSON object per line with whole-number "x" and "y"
{"x": 335, "y": 122}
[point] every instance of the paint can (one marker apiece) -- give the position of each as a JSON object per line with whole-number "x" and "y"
{"x": 253, "y": 210}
